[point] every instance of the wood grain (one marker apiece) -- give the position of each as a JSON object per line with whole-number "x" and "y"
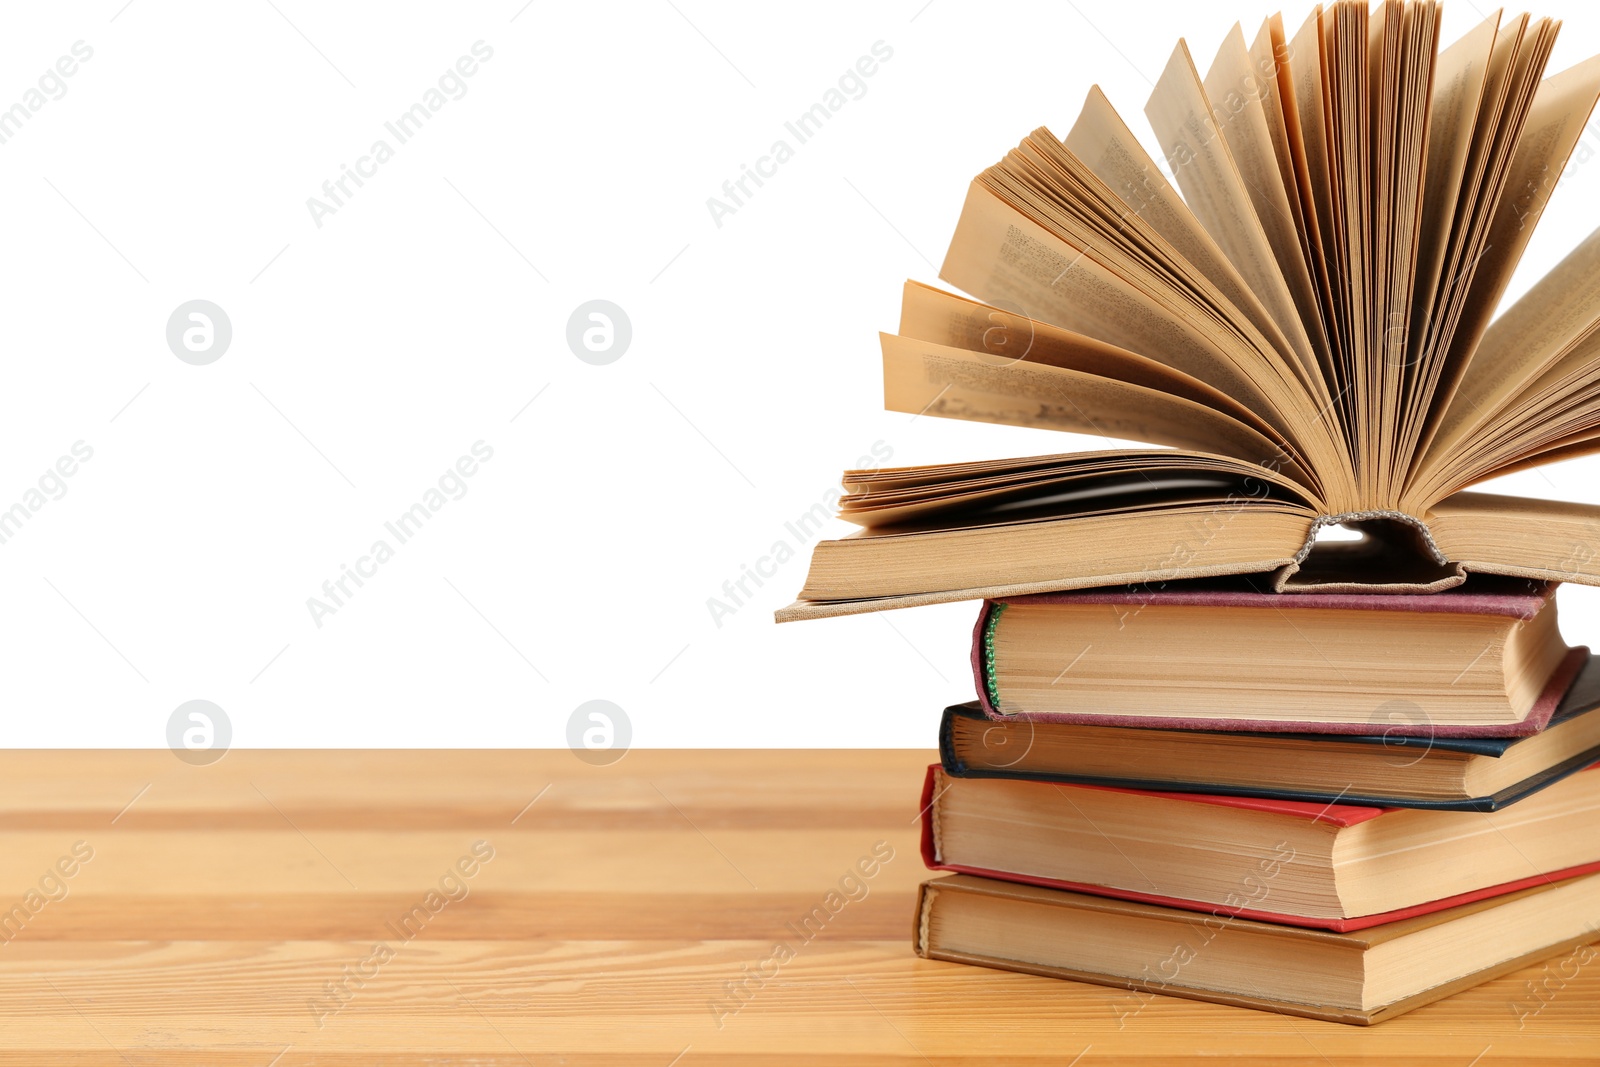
{"x": 274, "y": 909}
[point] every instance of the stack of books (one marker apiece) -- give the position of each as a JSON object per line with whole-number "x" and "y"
{"x": 1335, "y": 805}
{"x": 1217, "y": 752}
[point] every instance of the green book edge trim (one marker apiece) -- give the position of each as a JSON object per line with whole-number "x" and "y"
{"x": 989, "y": 683}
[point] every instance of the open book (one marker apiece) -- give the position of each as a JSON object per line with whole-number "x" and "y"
{"x": 1309, "y": 327}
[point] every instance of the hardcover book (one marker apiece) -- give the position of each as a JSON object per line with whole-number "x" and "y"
{"x": 1379, "y": 768}
{"x": 1358, "y": 977}
{"x": 1306, "y": 319}
{"x": 1332, "y": 866}
{"x": 1486, "y": 658}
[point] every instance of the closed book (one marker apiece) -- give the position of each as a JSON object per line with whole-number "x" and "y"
{"x": 1331, "y": 866}
{"x": 1486, "y": 659}
{"x": 1377, "y": 769}
{"x": 1359, "y": 977}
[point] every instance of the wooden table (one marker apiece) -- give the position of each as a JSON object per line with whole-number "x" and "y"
{"x": 274, "y": 908}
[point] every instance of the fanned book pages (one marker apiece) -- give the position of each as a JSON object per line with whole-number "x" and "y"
{"x": 1306, "y": 319}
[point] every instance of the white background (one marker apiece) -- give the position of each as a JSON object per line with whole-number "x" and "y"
{"x": 425, "y": 314}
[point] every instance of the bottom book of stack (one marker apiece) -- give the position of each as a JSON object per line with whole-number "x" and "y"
{"x": 1362, "y": 976}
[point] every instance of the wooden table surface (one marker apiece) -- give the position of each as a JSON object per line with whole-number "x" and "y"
{"x": 295, "y": 908}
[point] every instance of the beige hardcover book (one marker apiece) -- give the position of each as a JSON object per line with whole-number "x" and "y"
{"x": 1360, "y": 978}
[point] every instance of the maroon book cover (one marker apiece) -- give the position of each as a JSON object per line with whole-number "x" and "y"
{"x": 1512, "y": 605}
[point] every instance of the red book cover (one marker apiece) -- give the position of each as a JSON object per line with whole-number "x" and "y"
{"x": 1338, "y": 814}
{"x": 1512, "y": 605}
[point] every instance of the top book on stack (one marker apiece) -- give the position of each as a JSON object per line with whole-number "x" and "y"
{"x": 1309, "y": 326}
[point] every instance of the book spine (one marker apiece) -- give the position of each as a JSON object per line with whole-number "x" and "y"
{"x": 930, "y": 852}
{"x": 919, "y": 919}
{"x": 983, "y": 657}
{"x": 947, "y": 745}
